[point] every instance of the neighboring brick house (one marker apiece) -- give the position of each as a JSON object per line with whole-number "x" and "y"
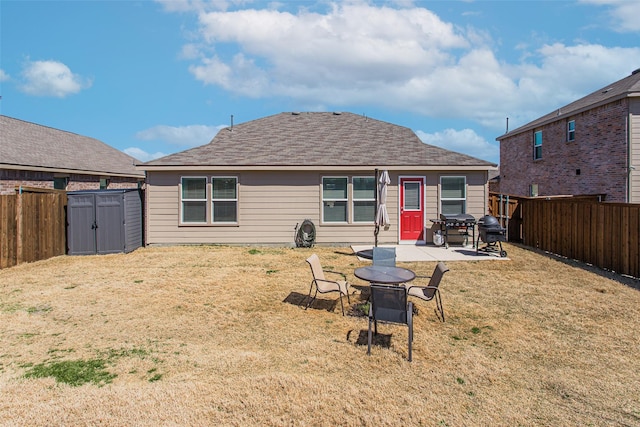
{"x": 32, "y": 155}
{"x": 591, "y": 146}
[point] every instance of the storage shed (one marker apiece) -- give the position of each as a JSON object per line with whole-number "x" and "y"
{"x": 104, "y": 221}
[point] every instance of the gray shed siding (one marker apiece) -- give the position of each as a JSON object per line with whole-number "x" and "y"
{"x": 104, "y": 221}
{"x": 271, "y": 203}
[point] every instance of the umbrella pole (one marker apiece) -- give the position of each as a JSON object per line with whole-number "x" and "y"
{"x": 376, "y": 230}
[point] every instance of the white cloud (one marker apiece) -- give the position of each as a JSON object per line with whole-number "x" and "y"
{"x": 624, "y": 13}
{"x": 142, "y": 155}
{"x": 406, "y": 59}
{"x": 185, "y": 136}
{"x": 462, "y": 141}
{"x": 300, "y": 53}
{"x": 51, "y": 78}
{"x": 4, "y": 76}
{"x": 198, "y": 5}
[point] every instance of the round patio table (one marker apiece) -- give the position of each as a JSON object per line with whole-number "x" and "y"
{"x": 386, "y": 275}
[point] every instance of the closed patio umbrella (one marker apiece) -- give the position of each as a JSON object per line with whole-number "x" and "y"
{"x": 382, "y": 216}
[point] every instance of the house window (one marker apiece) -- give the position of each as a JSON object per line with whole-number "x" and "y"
{"x": 60, "y": 183}
{"x": 224, "y": 199}
{"x": 104, "y": 183}
{"x": 571, "y": 130}
{"x": 334, "y": 199}
{"x": 364, "y": 199}
{"x": 537, "y": 145}
{"x": 194, "y": 199}
{"x": 453, "y": 195}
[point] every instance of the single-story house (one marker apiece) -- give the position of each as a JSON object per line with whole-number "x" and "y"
{"x": 256, "y": 181}
{"x": 32, "y": 155}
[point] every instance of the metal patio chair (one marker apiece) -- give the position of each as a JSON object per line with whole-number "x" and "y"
{"x": 389, "y": 304}
{"x": 431, "y": 291}
{"x": 384, "y": 256}
{"x": 324, "y": 285}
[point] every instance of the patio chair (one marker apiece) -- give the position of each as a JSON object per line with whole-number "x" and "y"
{"x": 389, "y": 304}
{"x": 431, "y": 291}
{"x": 324, "y": 285}
{"x": 384, "y": 256}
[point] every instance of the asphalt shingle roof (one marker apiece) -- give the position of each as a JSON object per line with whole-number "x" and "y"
{"x": 628, "y": 86}
{"x": 31, "y": 145}
{"x": 317, "y": 139}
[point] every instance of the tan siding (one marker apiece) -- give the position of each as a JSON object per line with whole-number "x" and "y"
{"x": 270, "y": 206}
{"x": 635, "y": 151}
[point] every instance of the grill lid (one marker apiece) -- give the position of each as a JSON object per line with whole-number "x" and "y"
{"x": 458, "y": 218}
{"x": 488, "y": 221}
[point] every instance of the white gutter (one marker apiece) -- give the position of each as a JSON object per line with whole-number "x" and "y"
{"x": 171, "y": 168}
{"x": 70, "y": 171}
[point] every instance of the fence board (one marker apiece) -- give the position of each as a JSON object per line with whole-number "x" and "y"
{"x": 8, "y": 231}
{"x": 32, "y": 227}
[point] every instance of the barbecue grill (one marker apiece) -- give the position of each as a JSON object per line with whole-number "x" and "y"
{"x": 491, "y": 232}
{"x": 460, "y": 222}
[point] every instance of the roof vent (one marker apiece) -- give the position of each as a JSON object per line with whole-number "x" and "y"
{"x": 635, "y": 71}
{"x": 607, "y": 90}
{"x": 295, "y": 113}
{"x": 337, "y": 113}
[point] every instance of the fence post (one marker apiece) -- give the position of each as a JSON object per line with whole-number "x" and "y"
{"x": 508, "y": 209}
{"x": 19, "y": 227}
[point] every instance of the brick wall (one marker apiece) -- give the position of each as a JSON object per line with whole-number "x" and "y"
{"x": 10, "y": 179}
{"x": 594, "y": 163}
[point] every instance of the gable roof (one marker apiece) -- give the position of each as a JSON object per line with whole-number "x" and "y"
{"x": 29, "y": 146}
{"x": 313, "y": 141}
{"x": 626, "y": 87}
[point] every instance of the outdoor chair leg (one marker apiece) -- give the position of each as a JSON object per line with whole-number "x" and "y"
{"x": 439, "y": 304}
{"x": 311, "y": 298}
{"x": 341, "y": 303}
{"x": 410, "y": 325}
{"x": 369, "y": 339}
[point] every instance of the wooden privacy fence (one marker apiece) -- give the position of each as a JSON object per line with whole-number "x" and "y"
{"x": 507, "y": 209}
{"x": 32, "y": 227}
{"x": 606, "y": 235}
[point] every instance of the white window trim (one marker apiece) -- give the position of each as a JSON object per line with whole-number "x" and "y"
{"x": 354, "y": 200}
{"x": 466, "y": 192}
{"x": 213, "y": 221}
{"x": 535, "y": 145}
{"x": 182, "y": 200}
{"x": 322, "y": 200}
{"x": 570, "y": 132}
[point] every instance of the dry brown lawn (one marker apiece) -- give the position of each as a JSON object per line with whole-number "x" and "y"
{"x": 212, "y": 335}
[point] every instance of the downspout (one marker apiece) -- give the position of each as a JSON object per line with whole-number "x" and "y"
{"x": 376, "y": 229}
{"x": 630, "y": 167}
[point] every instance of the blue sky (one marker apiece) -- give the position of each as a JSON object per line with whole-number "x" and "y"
{"x": 155, "y": 77}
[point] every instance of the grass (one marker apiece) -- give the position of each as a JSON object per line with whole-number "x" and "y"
{"x": 218, "y": 335}
{"x": 73, "y": 372}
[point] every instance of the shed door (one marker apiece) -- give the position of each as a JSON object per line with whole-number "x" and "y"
{"x": 109, "y": 220}
{"x": 412, "y": 209}
{"x": 81, "y": 225}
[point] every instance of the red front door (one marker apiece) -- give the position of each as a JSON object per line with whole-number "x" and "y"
{"x": 412, "y": 209}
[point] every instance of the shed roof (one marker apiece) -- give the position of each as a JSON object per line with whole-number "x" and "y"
{"x": 626, "y": 87}
{"x": 315, "y": 139}
{"x": 26, "y": 145}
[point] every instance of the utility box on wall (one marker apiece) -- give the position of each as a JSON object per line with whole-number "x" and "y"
{"x": 104, "y": 221}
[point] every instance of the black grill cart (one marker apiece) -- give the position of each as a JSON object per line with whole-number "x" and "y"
{"x": 491, "y": 232}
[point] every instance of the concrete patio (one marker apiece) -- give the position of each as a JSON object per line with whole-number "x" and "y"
{"x": 412, "y": 253}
